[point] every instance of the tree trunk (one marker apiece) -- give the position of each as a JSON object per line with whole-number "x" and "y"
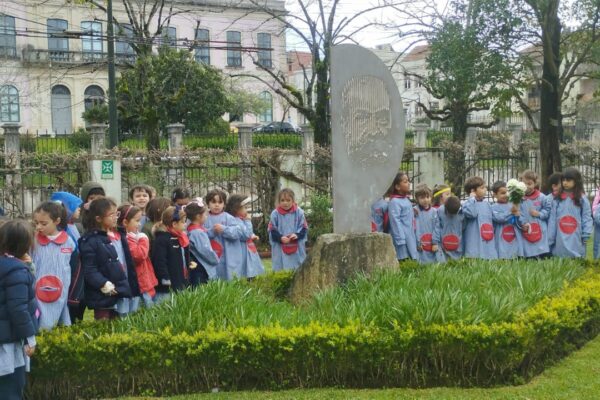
{"x": 152, "y": 134}
{"x": 550, "y": 114}
{"x": 322, "y": 124}
{"x": 457, "y": 164}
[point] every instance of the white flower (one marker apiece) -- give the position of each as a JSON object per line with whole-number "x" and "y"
{"x": 522, "y": 186}
{"x": 512, "y": 183}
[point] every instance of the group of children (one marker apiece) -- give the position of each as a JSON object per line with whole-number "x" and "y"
{"x": 441, "y": 227}
{"x": 88, "y": 252}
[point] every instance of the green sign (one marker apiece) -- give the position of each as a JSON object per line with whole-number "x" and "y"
{"x": 108, "y": 168}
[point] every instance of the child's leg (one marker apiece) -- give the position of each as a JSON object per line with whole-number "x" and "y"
{"x": 147, "y": 299}
{"x": 104, "y": 313}
{"x": 12, "y": 385}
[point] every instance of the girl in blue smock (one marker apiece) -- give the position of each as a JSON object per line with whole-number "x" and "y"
{"x": 535, "y": 211}
{"x": 224, "y": 234}
{"x": 479, "y": 227}
{"x": 570, "y": 224}
{"x": 288, "y": 232}
{"x": 507, "y": 223}
{"x": 425, "y": 216}
{"x": 402, "y": 219}
{"x": 201, "y": 251}
{"x": 252, "y": 265}
{"x": 448, "y": 232}
{"x": 52, "y": 255}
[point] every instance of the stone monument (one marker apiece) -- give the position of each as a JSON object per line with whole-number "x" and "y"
{"x": 367, "y": 134}
{"x": 368, "y": 141}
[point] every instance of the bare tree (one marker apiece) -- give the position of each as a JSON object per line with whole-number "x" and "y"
{"x": 319, "y": 25}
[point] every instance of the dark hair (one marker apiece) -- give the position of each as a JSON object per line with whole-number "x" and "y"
{"x": 286, "y": 192}
{"x": 472, "y": 183}
{"x": 180, "y": 193}
{"x": 437, "y": 200}
{"x": 127, "y": 212}
{"x": 141, "y": 188}
{"x": 234, "y": 204}
{"x": 172, "y": 214}
{"x": 555, "y": 178}
{"x": 397, "y": 180}
{"x": 156, "y": 207}
{"x": 97, "y": 208}
{"x": 574, "y": 175}
{"x": 97, "y": 191}
{"x": 16, "y": 237}
{"x": 422, "y": 190}
{"x": 213, "y": 194}
{"x": 452, "y": 205}
{"x": 497, "y": 186}
{"x": 55, "y": 210}
{"x": 192, "y": 210}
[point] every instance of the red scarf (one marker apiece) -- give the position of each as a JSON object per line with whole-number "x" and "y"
{"x": 534, "y": 195}
{"x": 193, "y": 227}
{"x": 564, "y": 195}
{"x": 181, "y": 236}
{"x": 59, "y": 240}
{"x": 292, "y": 209}
{"x": 399, "y": 196}
{"x": 113, "y": 235}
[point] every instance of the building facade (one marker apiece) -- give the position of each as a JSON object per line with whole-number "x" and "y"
{"x": 53, "y": 54}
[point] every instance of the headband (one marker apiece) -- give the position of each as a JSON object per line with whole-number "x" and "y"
{"x": 198, "y": 201}
{"x": 127, "y": 212}
{"x": 439, "y": 192}
{"x": 246, "y": 201}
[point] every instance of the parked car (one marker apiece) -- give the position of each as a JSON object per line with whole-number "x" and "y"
{"x": 276, "y": 127}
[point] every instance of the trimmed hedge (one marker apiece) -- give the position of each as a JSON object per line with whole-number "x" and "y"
{"x": 356, "y": 355}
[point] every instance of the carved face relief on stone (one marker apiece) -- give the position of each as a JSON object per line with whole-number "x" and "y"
{"x": 366, "y": 119}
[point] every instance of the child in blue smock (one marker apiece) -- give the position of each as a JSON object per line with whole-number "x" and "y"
{"x": 402, "y": 219}
{"x": 288, "y": 232}
{"x": 570, "y": 225}
{"x": 52, "y": 255}
{"x": 252, "y": 265}
{"x": 507, "y": 223}
{"x": 425, "y": 219}
{"x": 555, "y": 182}
{"x": 200, "y": 250}
{"x": 224, "y": 234}
{"x": 596, "y": 215}
{"x": 448, "y": 232}
{"x": 479, "y": 227}
{"x": 379, "y": 213}
{"x": 535, "y": 211}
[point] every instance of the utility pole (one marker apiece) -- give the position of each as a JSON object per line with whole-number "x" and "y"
{"x": 112, "y": 96}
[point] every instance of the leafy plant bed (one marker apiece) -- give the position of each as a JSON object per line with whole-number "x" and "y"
{"x": 470, "y": 323}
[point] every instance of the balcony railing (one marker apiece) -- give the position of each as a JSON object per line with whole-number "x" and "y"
{"x": 73, "y": 57}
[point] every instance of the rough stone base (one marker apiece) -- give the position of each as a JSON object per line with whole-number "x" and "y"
{"x": 335, "y": 258}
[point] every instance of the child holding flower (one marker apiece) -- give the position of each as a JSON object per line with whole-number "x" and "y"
{"x": 535, "y": 211}
{"x": 506, "y": 216}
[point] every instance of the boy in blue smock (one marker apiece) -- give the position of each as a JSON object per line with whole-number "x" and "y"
{"x": 570, "y": 225}
{"x": 425, "y": 217}
{"x": 479, "y": 226}
{"x": 507, "y": 223}
{"x": 535, "y": 211}
{"x": 448, "y": 232}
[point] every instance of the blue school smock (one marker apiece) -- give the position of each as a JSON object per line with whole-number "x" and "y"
{"x": 379, "y": 216}
{"x": 425, "y": 224}
{"x": 535, "y": 239}
{"x": 202, "y": 251}
{"x": 52, "y": 258}
{"x": 570, "y": 226}
{"x": 252, "y": 264}
{"x": 226, "y": 245}
{"x": 597, "y": 234}
{"x": 448, "y": 235}
{"x": 479, "y": 230}
{"x": 507, "y": 233}
{"x": 283, "y": 223}
{"x": 402, "y": 227}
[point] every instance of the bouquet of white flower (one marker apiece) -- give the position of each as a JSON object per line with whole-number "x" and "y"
{"x": 516, "y": 191}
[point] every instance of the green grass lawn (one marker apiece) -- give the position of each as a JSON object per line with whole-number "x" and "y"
{"x": 575, "y": 377}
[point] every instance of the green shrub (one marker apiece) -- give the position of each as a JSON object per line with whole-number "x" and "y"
{"x": 80, "y": 139}
{"x": 96, "y": 114}
{"x": 28, "y": 143}
{"x": 224, "y": 142}
{"x": 78, "y": 362}
{"x": 319, "y": 217}
{"x": 279, "y": 141}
